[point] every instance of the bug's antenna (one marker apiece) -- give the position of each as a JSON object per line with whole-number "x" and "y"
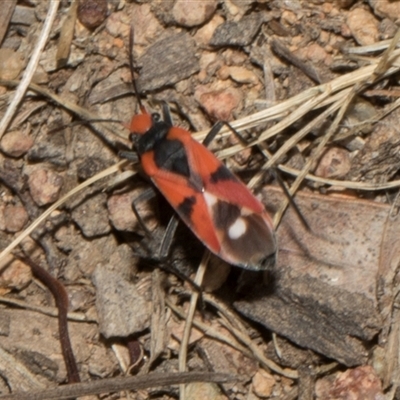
{"x": 132, "y": 68}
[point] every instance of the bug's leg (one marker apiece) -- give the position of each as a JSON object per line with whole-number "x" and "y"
{"x": 148, "y": 194}
{"x": 166, "y": 114}
{"x": 291, "y": 199}
{"x": 213, "y": 133}
{"x": 129, "y": 155}
{"x": 215, "y": 130}
{"x": 168, "y": 237}
{"x": 161, "y": 256}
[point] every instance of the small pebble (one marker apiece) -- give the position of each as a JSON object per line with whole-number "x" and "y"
{"x": 15, "y": 218}
{"x": 45, "y": 186}
{"x": 364, "y": 26}
{"x": 15, "y": 276}
{"x": 92, "y": 217}
{"x": 92, "y": 13}
{"x": 361, "y": 383}
{"x": 220, "y": 103}
{"x": 243, "y": 75}
{"x": 11, "y": 64}
{"x": 193, "y": 13}
{"x": 263, "y": 383}
{"x": 386, "y": 9}
{"x": 16, "y": 144}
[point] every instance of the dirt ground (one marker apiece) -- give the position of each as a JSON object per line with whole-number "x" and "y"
{"x": 312, "y": 88}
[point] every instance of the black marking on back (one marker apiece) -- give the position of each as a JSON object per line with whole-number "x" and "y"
{"x": 225, "y": 214}
{"x": 152, "y": 137}
{"x": 170, "y": 155}
{"x": 222, "y": 174}
{"x": 186, "y": 207}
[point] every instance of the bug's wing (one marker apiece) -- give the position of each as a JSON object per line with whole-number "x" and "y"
{"x": 216, "y": 206}
{"x": 187, "y": 201}
{"x": 243, "y": 227}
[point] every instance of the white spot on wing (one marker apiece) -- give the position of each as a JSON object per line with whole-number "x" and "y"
{"x": 245, "y": 211}
{"x": 237, "y": 229}
{"x": 210, "y": 199}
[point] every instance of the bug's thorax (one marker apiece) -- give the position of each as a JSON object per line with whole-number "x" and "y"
{"x": 168, "y": 152}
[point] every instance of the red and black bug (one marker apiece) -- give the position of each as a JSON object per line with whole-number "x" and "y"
{"x": 207, "y": 196}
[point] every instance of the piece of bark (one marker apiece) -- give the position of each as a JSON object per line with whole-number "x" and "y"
{"x": 323, "y": 296}
{"x": 168, "y": 61}
{"x": 379, "y": 160}
{"x": 18, "y": 377}
{"x": 239, "y": 33}
{"x": 7, "y": 10}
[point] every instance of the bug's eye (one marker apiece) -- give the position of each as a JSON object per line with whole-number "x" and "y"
{"x": 155, "y": 117}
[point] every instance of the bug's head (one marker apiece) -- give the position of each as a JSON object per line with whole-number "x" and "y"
{"x": 141, "y": 123}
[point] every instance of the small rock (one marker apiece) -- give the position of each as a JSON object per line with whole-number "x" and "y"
{"x": 204, "y": 391}
{"x": 387, "y": 29}
{"x": 220, "y": 103}
{"x": 15, "y": 218}
{"x": 92, "y": 13}
{"x": 193, "y": 13}
{"x": 386, "y": 9}
{"x": 84, "y": 254}
{"x": 101, "y": 365}
{"x": 363, "y": 26}
{"x": 263, "y": 383}
{"x": 24, "y": 15}
{"x": 123, "y": 310}
{"x": 243, "y": 75}
{"x": 146, "y": 24}
{"x": 289, "y": 17}
{"x": 11, "y": 64}
{"x": 316, "y": 53}
{"x": 206, "y": 32}
{"x": 92, "y": 217}
{"x": 209, "y": 63}
{"x": 121, "y": 214}
{"x": 239, "y": 33}
{"x": 15, "y": 276}
{"x": 335, "y": 163}
{"x": 235, "y": 57}
{"x": 16, "y": 143}
{"x": 44, "y": 186}
{"x": 360, "y": 383}
{"x": 223, "y": 73}
{"x": 238, "y": 8}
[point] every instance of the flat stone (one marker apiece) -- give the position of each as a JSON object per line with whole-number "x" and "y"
{"x": 167, "y": 62}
